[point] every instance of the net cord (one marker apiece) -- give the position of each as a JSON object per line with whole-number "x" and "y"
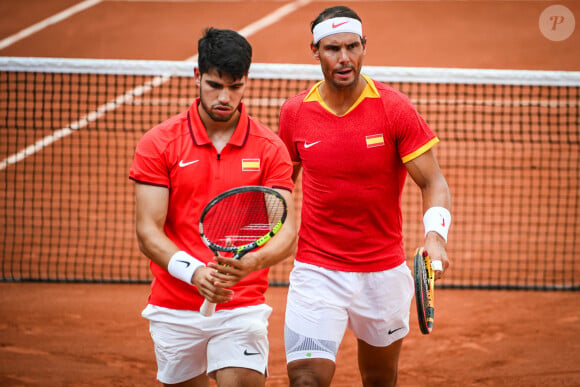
{"x": 295, "y": 71}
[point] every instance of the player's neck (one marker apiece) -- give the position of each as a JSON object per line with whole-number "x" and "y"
{"x": 340, "y": 99}
{"x": 220, "y": 133}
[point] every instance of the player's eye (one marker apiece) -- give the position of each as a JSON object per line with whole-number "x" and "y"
{"x": 214, "y": 85}
{"x": 332, "y": 48}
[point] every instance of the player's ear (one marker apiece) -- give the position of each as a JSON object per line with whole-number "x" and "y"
{"x": 314, "y": 49}
{"x": 197, "y": 76}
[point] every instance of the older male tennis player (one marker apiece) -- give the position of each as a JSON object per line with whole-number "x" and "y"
{"x": 355, "y": 140}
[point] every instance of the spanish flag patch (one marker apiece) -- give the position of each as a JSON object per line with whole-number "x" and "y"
{"x": 251, "y": 165}
{"x": 375, "y": 140}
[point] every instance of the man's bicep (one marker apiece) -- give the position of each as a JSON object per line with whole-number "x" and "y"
{"x": 150, "y": 204}
{"x": 423, "y": 169}
{"x": 297, "y": 168}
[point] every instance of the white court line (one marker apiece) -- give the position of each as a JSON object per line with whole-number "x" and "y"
{"x": 330, "y": 1}
{"x": 47, "y": 22}
{"x": 83, "y": 122}
{"x": 129, "y": 95}
{"x": 273, "y": 17}
{"x": 193, "y": 1}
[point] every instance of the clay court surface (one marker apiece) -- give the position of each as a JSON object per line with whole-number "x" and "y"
{"x": 93, "y": 334}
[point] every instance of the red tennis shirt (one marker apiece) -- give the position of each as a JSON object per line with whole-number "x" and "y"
{"x": 353, "y": 175}
{"x": 179, "y": 155}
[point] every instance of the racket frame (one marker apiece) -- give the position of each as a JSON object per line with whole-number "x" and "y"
{"x": 208, "y": 308}
{"x": 424, "y": 290}
{"x": 239, "y": 251}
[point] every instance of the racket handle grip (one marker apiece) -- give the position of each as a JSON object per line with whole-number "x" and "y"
{"x": 207, "y": 308}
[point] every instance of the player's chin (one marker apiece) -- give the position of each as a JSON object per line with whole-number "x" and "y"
{"x": 222, "y": 115}
{"x": 344, "y": 78}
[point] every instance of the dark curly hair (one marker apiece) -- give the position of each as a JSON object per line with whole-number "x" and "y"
{"x": 224, "y": 50}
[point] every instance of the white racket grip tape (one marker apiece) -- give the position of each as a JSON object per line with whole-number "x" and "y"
{"x": 437, "y": 265}
{"x": 207, "y": 308}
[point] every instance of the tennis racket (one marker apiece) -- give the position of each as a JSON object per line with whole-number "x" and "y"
{"x": 424, "y": 290}
{"x": 240, "y": 220}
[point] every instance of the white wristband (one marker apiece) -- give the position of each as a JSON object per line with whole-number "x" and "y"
{"x": 437, "y": 219}
{"x": 182, "y": 266}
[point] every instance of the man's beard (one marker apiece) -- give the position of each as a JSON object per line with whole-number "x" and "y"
{"x": 215, "y": 117}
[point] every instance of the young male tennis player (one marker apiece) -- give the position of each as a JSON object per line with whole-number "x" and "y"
{"x": 179, "y": 166}
{"x": 355, "y": 140}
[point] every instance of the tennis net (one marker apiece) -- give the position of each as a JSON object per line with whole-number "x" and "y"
{"x": 509, "y": 150}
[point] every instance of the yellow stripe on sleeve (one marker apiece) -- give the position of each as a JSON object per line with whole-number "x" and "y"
{"x": 420, "y": 151}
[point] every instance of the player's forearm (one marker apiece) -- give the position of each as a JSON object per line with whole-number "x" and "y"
{"x": 151, "y": 204}
{"x": 436, "y": 212}
{"x": 436, "y": 194}
{"x": 437, "y": 221}
{"x": 155, "y": 245}
{"x": 280, "y": 247}
{"x": 282, "y": 244}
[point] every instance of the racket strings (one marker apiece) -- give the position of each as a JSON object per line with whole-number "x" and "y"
{"x": 242, "y": 218}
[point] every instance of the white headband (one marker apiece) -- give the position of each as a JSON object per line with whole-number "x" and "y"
{"x": 336, "y": 25}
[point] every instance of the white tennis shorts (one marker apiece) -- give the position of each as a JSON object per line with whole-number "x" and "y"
{"x": 322, "y": 303}
{"x": 188, "y": 344}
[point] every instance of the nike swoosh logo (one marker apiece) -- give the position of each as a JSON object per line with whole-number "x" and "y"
{"x": 185, "y": 164}
{"x": 338, "y": 25}
{"x": 306, "y": 145}
{"x": 394, "y": 330}
{"x": 250, "y": 353}
{"x": 186, "y": 263}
